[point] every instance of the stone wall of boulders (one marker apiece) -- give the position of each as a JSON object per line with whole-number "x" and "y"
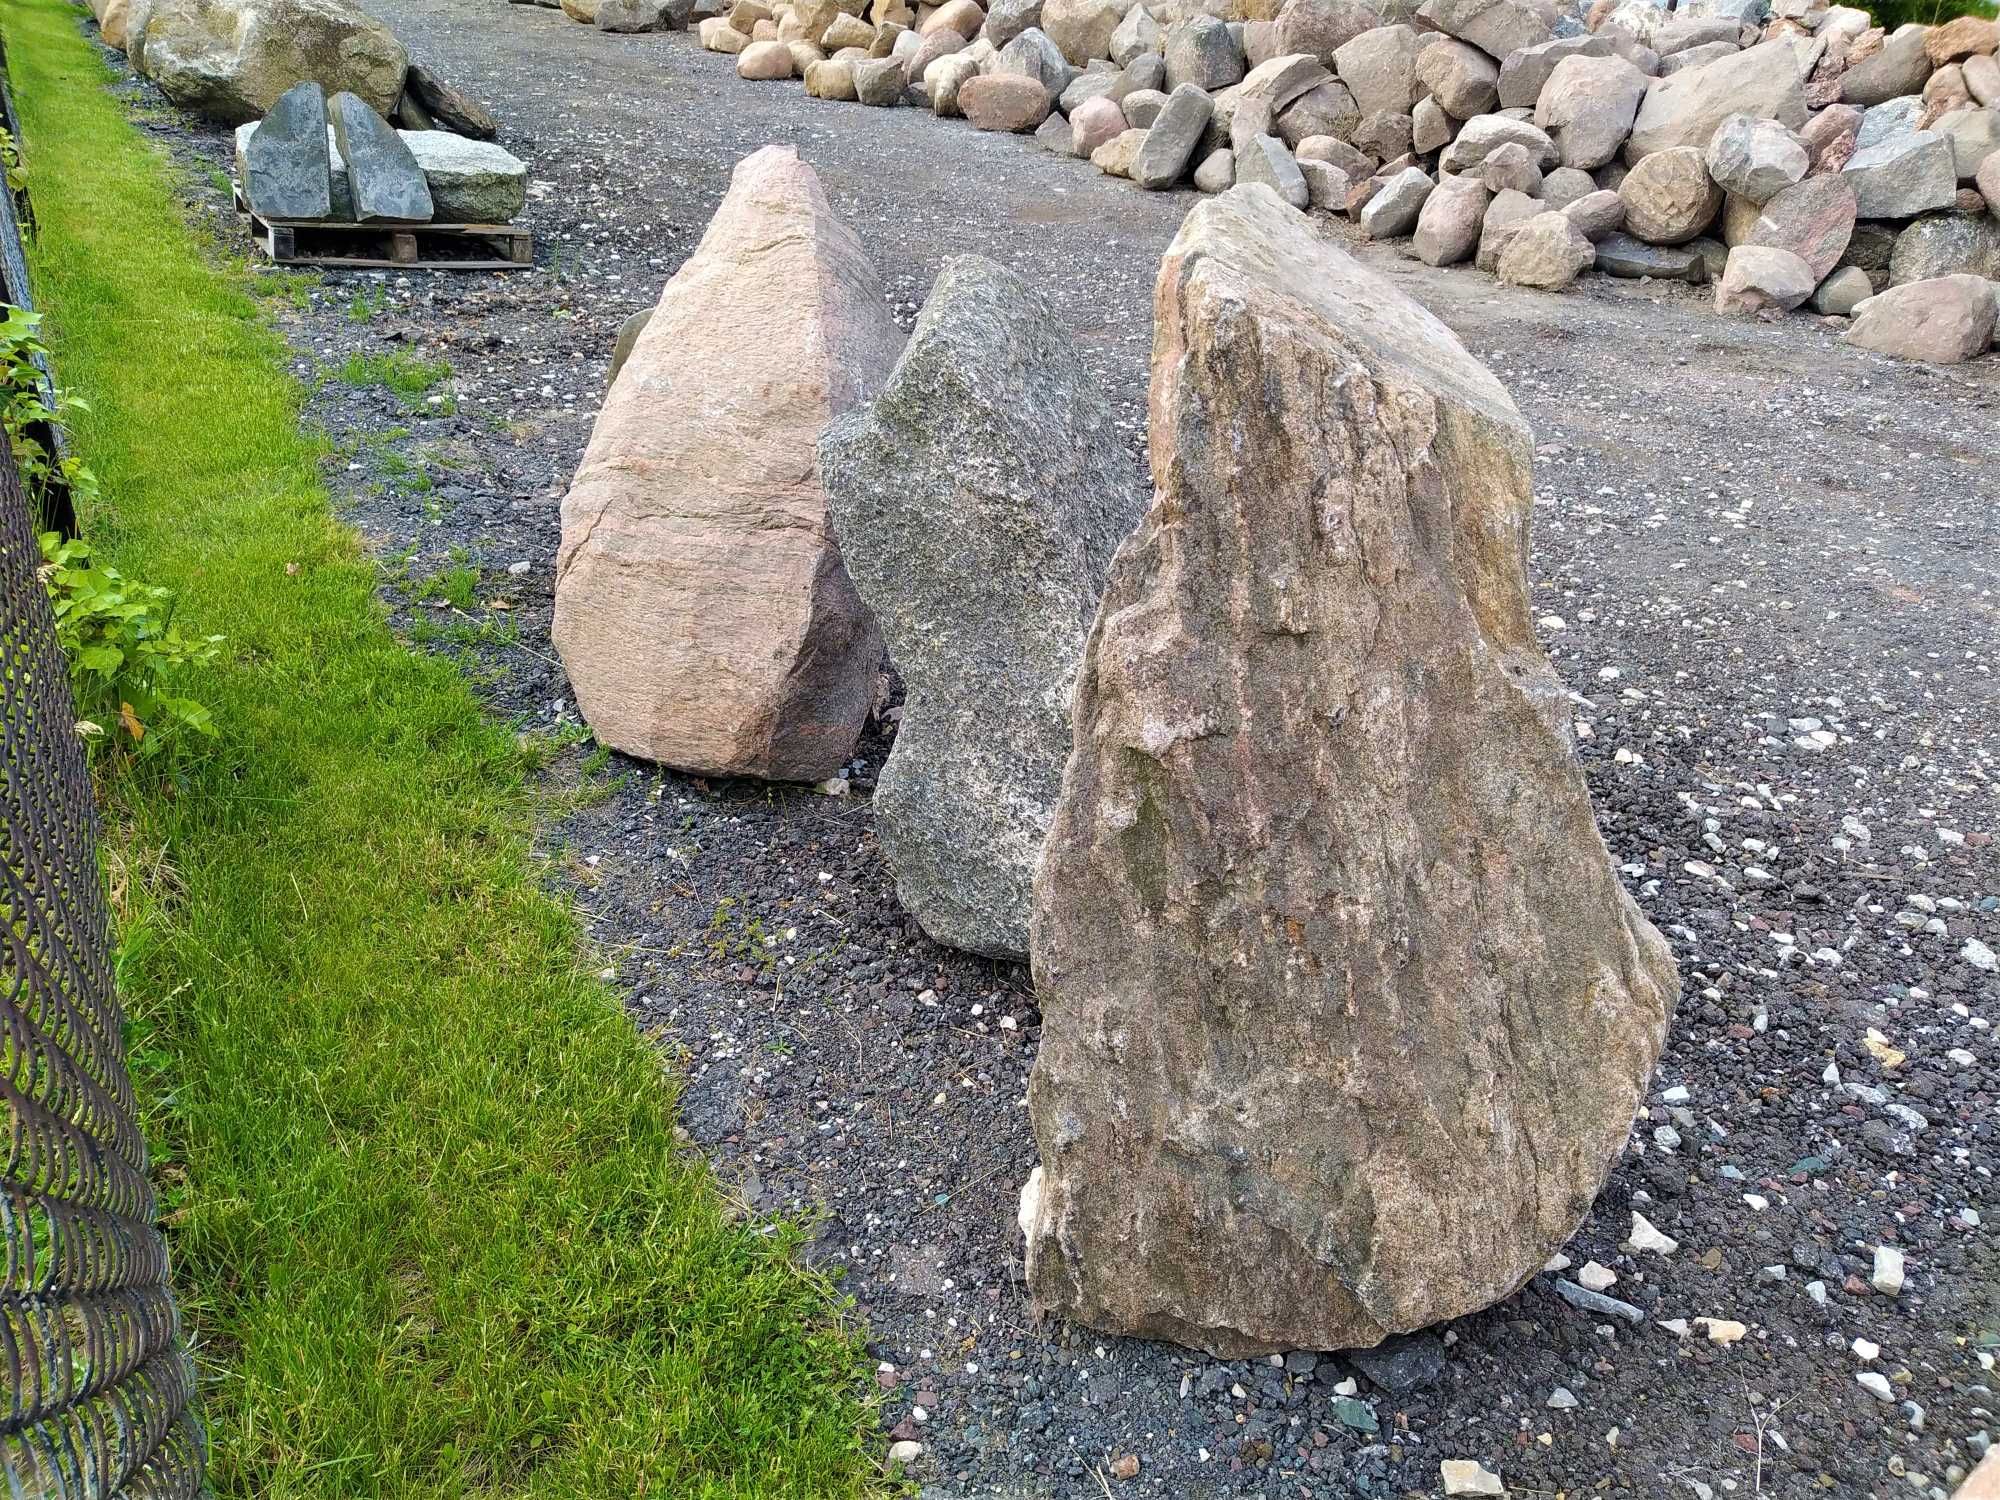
{"x": 1269, "y": 777}
{"x": 1797, "y": 159}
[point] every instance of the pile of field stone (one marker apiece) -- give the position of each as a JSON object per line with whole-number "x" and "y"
{"x": 318, "y": 160}
{"x": 1806, "y": 160}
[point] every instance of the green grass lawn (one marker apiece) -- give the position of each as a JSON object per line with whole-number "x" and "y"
{"x": 430, "y": 1228}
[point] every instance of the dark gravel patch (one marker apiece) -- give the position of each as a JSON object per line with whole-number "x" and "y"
{"x": 1767, "y": 566}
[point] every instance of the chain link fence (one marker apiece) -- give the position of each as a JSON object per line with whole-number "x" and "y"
{"x": 96, "y": 1401}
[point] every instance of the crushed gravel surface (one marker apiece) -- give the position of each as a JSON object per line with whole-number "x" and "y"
{"x": 1766, "y": 566}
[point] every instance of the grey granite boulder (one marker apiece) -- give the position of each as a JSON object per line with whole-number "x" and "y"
{"x": 287, "y": 171}
{"x": 1263, "y": 158}
{"x": 978, "y": 501}
{"x": 471, "y": 182}
{"x": 1621, "y": 255}
{"x": 383, "y": 176}
{"x": 1172, "y": 137}
{"x": 1903, "y": 176}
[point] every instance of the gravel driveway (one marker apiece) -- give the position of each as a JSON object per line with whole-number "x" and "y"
{"x": 1767, "y": 567}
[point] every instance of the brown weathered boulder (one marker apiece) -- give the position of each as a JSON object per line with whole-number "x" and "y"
{"x": 1345, "y": 1013}
{"x": 764, "y": 61}
{"x": 1759, "y": 278}
{"x": 1004, "y": 101}
{"x": 702, "y": 611}
{"x": 1379, "y": 68}
{"x": 1944, "y": 321}
{"x": 1669, "y": 197}
{"x": 1463, "y": 80}
{"x": 1960, "y": 38}
{"x": 1547, "y": 252}
{"x": 1081, "y": 28}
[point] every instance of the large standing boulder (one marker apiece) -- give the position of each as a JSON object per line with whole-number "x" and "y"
{"x": 1944, "y": 321}
{"x": 1345, "y": 1013}
{"x": 1669, "y": 197}
{"x": 382, "y": 171}
{"x": 288, "y": 169}
{"x": 1587, "y": 108}
{"x": 702, "y": 611}
{"x": 232, "y": 59}
{"x": 978, "y": 501}
{"x": 1450, "y": 221}
{"x": 1685, "y": 108}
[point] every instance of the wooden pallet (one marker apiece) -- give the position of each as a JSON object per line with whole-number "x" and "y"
{"x": 393, "y": 247}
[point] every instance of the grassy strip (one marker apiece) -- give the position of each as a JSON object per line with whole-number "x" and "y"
{"x": 431, "y": 1229}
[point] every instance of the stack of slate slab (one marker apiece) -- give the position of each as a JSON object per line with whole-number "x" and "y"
{"x": 314, "y": 160}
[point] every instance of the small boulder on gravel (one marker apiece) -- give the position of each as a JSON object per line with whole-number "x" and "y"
{"x": 1004, "y": 102}
{"x": 1217, "y": 172}
{"x": 1117, "y": 156}
{"x": 1092, "y": 123}
{"x": 1547, "y": 252}
{"x": 1669, "y": 197}
{"x": 638, "y": 16}
{"x": 1945, "y": 322}
{"x": 1842, "y": 292}
{"x": 879, "y": 81}
{"x": 763, "y": 61}
{"x": 1507, "y": 212}
{"x": 1759, "y": 278}
{"x": 1621, "y": 255}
